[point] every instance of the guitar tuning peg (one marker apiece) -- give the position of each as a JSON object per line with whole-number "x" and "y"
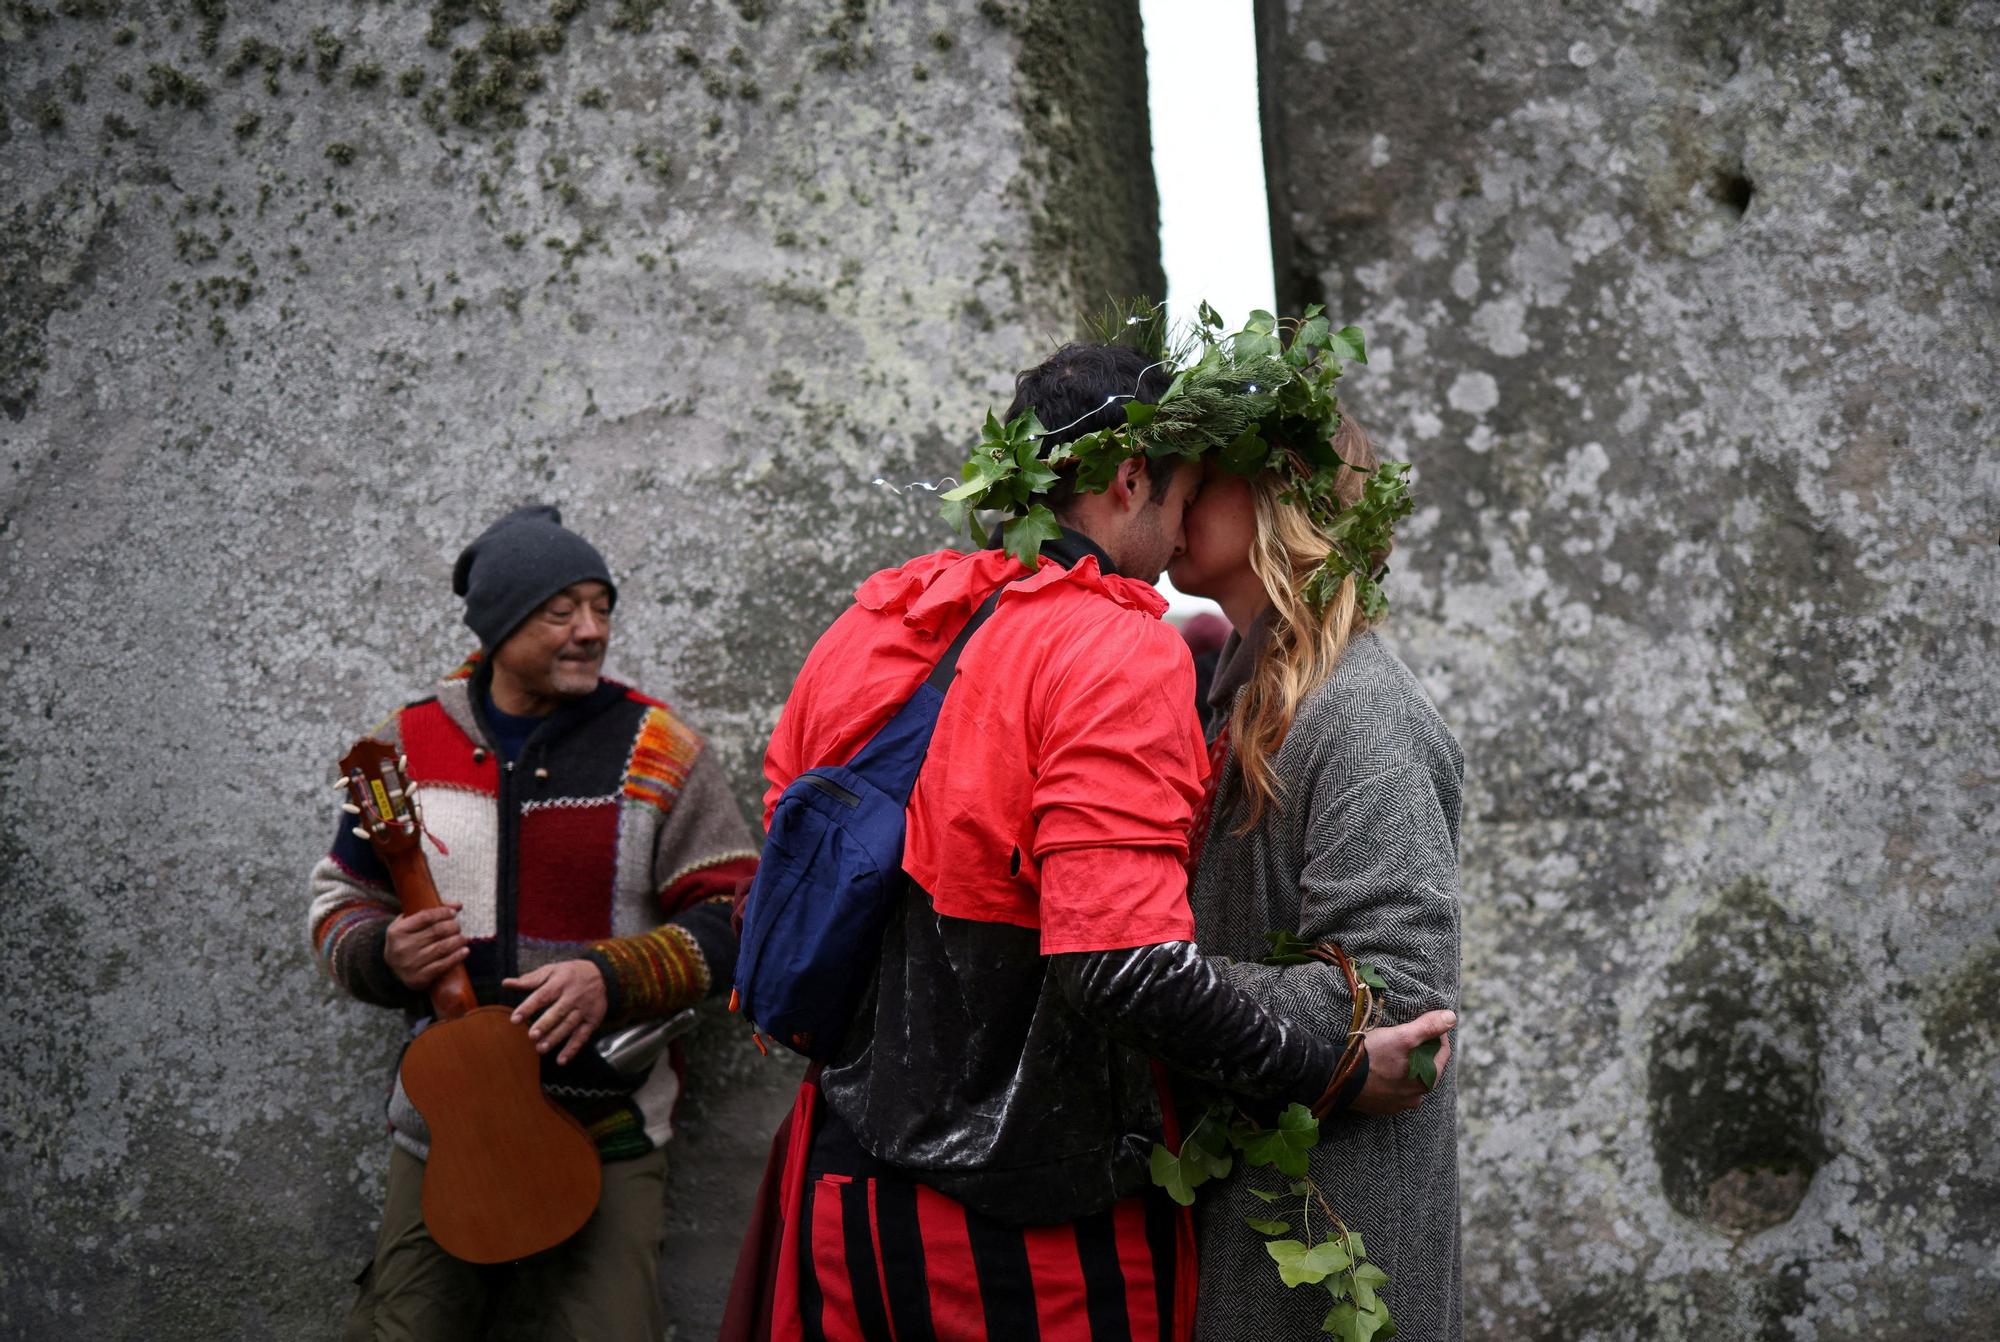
{"x": 340, "y": 785}
{"x": 350, "y": 808}
{"x": 402, "y": 764}
{"x": 361, "y": 833}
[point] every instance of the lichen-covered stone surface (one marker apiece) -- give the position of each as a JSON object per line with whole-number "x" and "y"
{"x": 1686, "y": 314}
{"x": 296, "y": 298}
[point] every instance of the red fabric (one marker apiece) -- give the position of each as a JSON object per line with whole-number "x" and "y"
{"x": 440, "y": 753}
{"x": 953, "y": 1280}
{"x": 829, "y": 1250}
{"x": 1136, "y": 897}
{"x": 787, "y": 1324}
{"x": 1071, "y": 728}
{"x": 568, "y": 858}
{"x": 1061, "y": 1303}
{"x": 747, "y": 1316}
{"x": 720, "y": 881}
{"x": 1135, "y": 1264}
{"x": 1218, "y": 755}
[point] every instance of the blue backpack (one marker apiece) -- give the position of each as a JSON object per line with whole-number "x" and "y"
{"x": 831, "y": 874}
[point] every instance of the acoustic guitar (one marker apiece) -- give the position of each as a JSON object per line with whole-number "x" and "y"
{"x": 510, "y": 1174}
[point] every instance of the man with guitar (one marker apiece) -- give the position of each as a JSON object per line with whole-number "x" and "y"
{"x": 584, "y": 846}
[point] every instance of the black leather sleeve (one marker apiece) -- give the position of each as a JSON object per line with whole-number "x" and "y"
{"x": 1169, "y": 1001}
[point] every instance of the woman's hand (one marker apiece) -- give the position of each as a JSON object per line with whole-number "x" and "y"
{"x": 1390, "y": 1089}
{"x": 568, "y": 1000}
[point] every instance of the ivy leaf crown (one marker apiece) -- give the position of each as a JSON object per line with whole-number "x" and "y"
{"x": 1259, "y": 399}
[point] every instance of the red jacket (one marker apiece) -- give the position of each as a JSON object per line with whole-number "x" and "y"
{"x": 1067, "y": 760}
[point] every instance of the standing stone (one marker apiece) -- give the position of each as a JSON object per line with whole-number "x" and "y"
{"x": 298, "y": 297}
{"x": 1686, "y": 314}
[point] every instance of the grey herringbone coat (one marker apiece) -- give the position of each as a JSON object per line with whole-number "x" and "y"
{"x": 1363, "y": 850}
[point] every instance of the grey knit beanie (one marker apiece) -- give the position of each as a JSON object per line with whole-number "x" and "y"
{"x": 518, "y": 563}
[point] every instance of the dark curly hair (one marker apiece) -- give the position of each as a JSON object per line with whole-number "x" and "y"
{"x": 1068, "y": 392}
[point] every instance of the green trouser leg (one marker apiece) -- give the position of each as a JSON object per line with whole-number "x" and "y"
{"x": 602, "y": 1282}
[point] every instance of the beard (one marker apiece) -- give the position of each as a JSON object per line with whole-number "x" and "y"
{"x": 573, "y": 678}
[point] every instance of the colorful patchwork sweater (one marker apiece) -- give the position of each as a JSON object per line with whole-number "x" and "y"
{"x": 613, "y": 837}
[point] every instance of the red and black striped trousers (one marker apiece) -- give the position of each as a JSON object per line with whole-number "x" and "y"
{"x": 884, "y": 1259}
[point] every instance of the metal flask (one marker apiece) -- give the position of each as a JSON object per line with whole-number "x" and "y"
{"x": 635, "y": 1048}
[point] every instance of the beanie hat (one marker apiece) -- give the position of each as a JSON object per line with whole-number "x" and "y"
{"x": 518, "y": 563}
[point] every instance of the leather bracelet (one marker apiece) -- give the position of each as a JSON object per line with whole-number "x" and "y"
{"x": 1347, "y": 1083}
{"x": 1351, "y": 1074}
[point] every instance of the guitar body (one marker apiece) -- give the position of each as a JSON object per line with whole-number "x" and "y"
{"x": 509, "y": 1173}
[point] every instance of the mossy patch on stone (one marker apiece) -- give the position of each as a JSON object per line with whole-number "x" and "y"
{"x": 1094, "y": 214}
{"x": 1958, "y": 1012}
{"x": 169, "y": 85}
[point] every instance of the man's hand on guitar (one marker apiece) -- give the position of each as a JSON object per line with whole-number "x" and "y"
{"x": 569, "y": 1001}
{"x": 421, "y": 946}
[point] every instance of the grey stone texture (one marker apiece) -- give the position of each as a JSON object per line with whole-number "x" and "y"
{"x": 1686, "y": 314}
{"x": 296, "y": 299}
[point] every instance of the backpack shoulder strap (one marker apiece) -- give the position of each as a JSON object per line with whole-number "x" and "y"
{"x": 947, "y": 666}
{"x": 891, "y": 758}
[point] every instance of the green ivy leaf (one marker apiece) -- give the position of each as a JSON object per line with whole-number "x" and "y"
{"x": 1246, "y": 454}
{"x": 1356, "y": 1246}
{"x": 1093, "y": 473}
{"x": 1351, "y": 1323}
{"x": 1023, "y": 536}
{"x": 1208, "y": 316}
{"x": 958, "y": 514}
{"x": 1036, "y": 478}
{"x": 1267, "y": 1197}
{"x": 1423, "y": 1063}
{"x": 1328, "y": 1257}
{"x": 1349, "y": 345}
{"x": 1290, "y": 1256}
{"x": 1374, "y": 603}
{"x": 1250, "y": 345}
{"x": 1204, "y": 1155}
{"x": 1370, "y": 975}
{"x": 1286, "y": 948}
{"x": 1363, "y": 1282}
{"x": 1171, "y": 1175}
{"x": 1266, "y": 1227}
{"x": 1140, "y": 413}
{"x": 981, "y": 473}
{"x": 1298, "y": 1265}
{"x": 1285, "y": 1145}
{"x": 1216, "y": 1164}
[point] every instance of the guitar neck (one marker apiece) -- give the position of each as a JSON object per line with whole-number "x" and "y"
{"x": 451, "y": 994}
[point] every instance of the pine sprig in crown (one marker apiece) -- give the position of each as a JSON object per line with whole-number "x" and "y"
{"x": 1259, "y": 399}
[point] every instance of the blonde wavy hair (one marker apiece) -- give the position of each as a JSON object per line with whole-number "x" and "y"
{"x": 1304, "y": 644}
